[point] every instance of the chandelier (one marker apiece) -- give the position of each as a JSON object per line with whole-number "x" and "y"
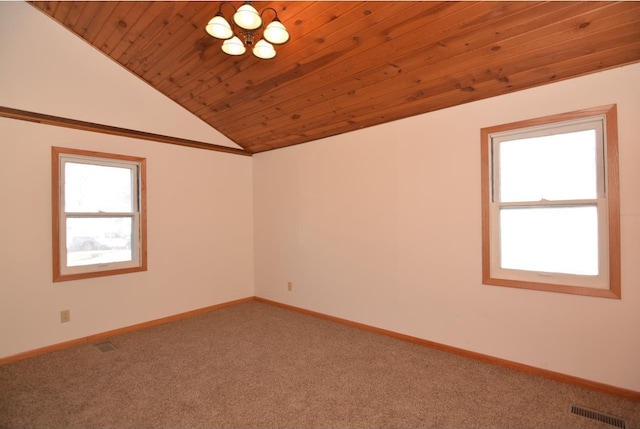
{"x": 249, "y": 22}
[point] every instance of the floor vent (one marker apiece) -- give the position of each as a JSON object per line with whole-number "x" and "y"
{"x": 595, "y": 415}
{"x": 105, "y": 347}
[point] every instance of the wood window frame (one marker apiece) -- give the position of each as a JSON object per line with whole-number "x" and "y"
{"x": 609, "y": 113}
{"x": 57, "y": 193}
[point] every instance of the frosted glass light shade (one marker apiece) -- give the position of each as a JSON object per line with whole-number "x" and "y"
{"x": 233, "y": 46}
{"x": 264, "y": 50}
{"x": 247, "y": 17}
{"x": 219, "y": 28}
{"x": 276, "y": 33}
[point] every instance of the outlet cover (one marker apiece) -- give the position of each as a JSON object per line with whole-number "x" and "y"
{"x": 65, "y": 316}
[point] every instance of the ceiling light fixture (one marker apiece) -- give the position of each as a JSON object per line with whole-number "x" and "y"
{"x": 249, "y": 23}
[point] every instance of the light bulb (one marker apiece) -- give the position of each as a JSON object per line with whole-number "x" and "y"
{"x": 219, "y": 28}
{"x": 233, "y": 46}
{"x": 247, "y": 17}
{"x": 264, "y": 50}
{"x": 276, "y": 33}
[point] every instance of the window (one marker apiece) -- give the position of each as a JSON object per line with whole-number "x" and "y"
{"x": 550, "y": 204}
{"x": 99, "y": 206}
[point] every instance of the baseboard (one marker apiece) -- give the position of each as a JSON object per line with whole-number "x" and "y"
{"x": 552, "y": 375}
{"x": 103, "y": 335}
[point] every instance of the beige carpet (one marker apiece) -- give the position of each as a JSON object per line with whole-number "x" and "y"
{"x": 258, "y": 366}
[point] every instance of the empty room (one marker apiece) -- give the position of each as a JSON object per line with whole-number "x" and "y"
{"x": 327, "y": 214}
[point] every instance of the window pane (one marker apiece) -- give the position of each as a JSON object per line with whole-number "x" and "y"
{"x": 556, "y": 167}
{"x": 550, "y": 239}
{"x": 99, "y": 240}
{"x": 95, "y": 188}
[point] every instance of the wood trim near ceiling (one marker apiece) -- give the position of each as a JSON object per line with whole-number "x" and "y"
{"x": 539, "y": 372}
{"x": 58, "y": 121}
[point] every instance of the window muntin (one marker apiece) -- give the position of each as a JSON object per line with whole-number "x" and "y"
{"x": 99, "y": 222}
{"x": 549, "y": 194}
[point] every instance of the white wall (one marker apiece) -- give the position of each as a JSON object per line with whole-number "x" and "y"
{"x": 382, "y": 226}
{"x": 200, "y": 234}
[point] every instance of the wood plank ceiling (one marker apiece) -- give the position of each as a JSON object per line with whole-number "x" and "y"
{"x": 350, "y": 65}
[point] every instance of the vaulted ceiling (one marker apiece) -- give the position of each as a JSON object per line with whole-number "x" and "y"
{"x": 350, "y": 65}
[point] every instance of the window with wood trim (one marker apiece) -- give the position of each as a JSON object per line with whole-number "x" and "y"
{"x": 550, "y": 204}
{"x": 99, "y": 214}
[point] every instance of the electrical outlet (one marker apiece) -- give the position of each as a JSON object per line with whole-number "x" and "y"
{"x": 290, "y": 286}
{"x": 65, "y": 316}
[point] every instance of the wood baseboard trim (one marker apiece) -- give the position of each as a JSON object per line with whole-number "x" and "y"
{"x": 552, "y": 375}
{"x": 539, "y": 372}
{"x": 136, "y": 327}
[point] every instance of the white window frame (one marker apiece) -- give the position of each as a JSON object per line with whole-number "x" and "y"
{"x": 607, "y": 282}
{"x": 63, "y": 272}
